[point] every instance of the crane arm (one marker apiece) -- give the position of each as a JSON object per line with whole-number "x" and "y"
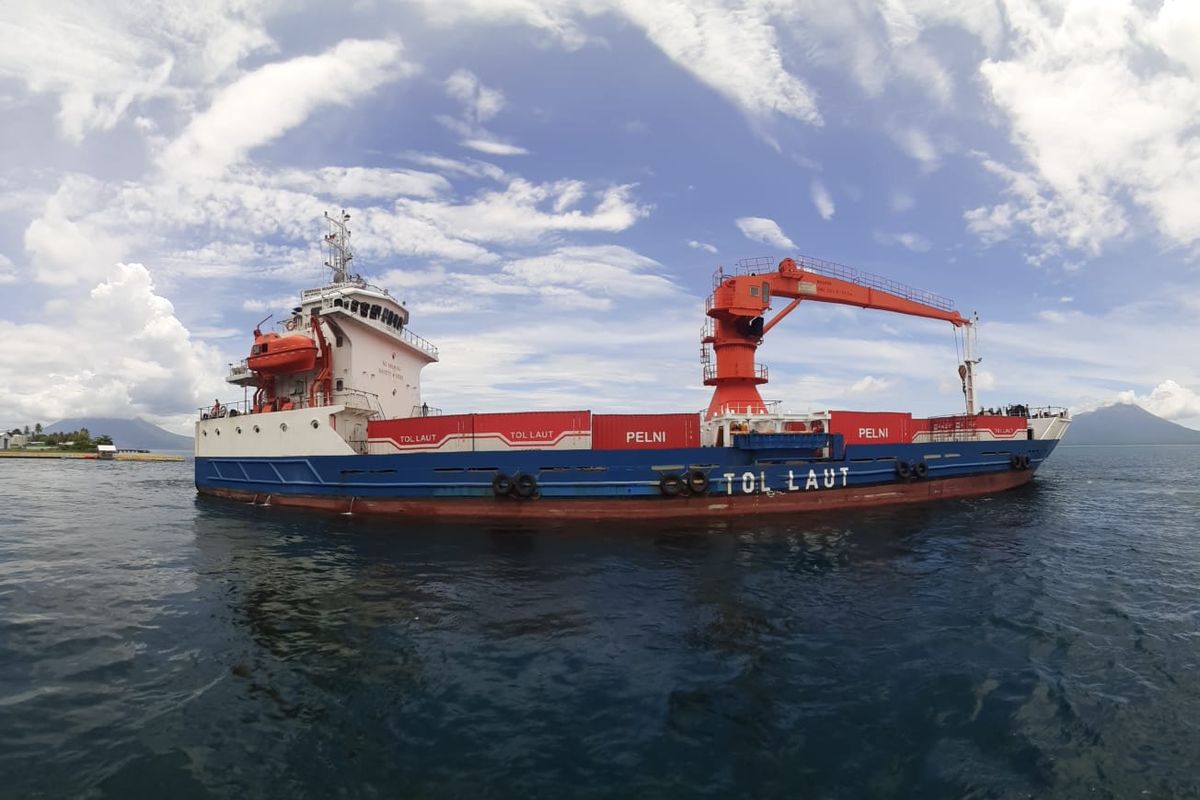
{"x": 749, "y": 295}
{"x": 738, "y": 304}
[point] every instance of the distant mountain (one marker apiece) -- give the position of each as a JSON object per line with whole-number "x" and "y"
{"x": 131, "y": 434}
{"x": 1127, "y": 424}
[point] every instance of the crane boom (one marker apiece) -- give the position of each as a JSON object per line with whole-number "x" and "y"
{"x": 739, "y": 301}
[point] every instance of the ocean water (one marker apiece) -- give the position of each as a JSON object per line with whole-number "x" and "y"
{"x": 1040, "y": 643}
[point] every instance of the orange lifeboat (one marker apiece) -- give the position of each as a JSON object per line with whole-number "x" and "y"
{"x": 275, "y": 354}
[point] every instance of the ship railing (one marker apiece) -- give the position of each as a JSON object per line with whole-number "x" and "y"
{"x": 350, "y": 398}
{"x": 1049, "y": 412}
{"x": 766, "y": 407}
{"x": 831, "y": 269}
{"x": 407, "y": 336}
{"x": 239, "y": 370}
{"x": 425, "y": 410}
{"x": 761, "y": 373}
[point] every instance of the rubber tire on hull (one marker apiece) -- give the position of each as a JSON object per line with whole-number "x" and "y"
{"x": 502, "y": 485}
{"x": 903, "y": 469}
{"x": 920, "y": 470}
{"x": 697, "y": 481}
{"x": 525, "y": 486}
{"x": 670, "y": 485}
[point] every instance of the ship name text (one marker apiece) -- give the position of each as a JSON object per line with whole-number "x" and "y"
{"x": 826, "y": 478}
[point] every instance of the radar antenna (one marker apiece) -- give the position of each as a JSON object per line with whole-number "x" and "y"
{"x": 338, "y": 241}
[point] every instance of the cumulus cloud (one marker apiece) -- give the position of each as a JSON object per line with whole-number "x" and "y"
{"x": 1168, "y": 400}
{"x": 760, "y": 229}
{"x": 822, "y": 200}
{"x": 121, "y": 351}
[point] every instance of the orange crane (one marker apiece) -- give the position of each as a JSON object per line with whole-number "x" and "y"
{"x": 739, "y": 301}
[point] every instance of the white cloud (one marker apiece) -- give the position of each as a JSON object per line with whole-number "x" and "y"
{"x": 494, "y": 148}
{"x": 1168, "y": 400}
{"x": 362, "y": 182}
{"x": 822, "y": 200}
{"x": 262, "y": 105}
{"x": 767, "y": 231}
{"x": 708, "y": 248}
{"x": 733, "y": 50}
{"x": 1105, "y": 120}
{"x": 869, "y": 384}
{"x": 120, "y": 351}
{"x": 8, "y": 270}
{"x": 519, "y": 213}
{"x": 101, "y": 60}
{"x": 906, "y": 239}
{"x": 480, "y": 104}
{"x": 917, "y": 145}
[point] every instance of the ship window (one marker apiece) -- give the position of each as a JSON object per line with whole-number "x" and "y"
{"x": 364, "y": 309}
{"x": 337, "y": 302}
{"x": 374, "y": 312}
{"x": 754, "y": 291}
{"x": 283, "y": 426}
{"x": 316, "y": 424}
{"x": 257, "y": 429}
{"x": 766, "y": 292}
{"x": 238, "y": 429}
{"x": 353, "y": 305}
{"x": 338, "y": 386}
{"x": 337, "y": 340}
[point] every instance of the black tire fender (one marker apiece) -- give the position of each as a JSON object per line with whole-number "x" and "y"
{"x": 1024, "y": 462}
{"x": 525, "y": 486}
{"x": 1015, "y": 461}
{"x": 697, "y": 481}
{"x": 670, "y": 485}
{"x": 920, "y": 469}
{"x": 502, "y": 485}
{"x": 903, "y": 469}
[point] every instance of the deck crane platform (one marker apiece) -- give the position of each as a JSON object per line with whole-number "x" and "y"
{"x": 739, "y": 302}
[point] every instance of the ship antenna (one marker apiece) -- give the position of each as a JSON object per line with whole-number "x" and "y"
{"x": 258, "y": 327}
{"x": 338, "y": 241}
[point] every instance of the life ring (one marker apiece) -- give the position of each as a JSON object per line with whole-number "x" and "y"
{"x": 204, "y": 415}
{"x": 502, "y": 485}
{"x": 920, "y": 469}
{"x": 1015, "y": 461}
{"x": 290, "y": 325}
{"x": 903, "y": 469}
{"x": 670, "y": 485}
{"x": 525, "y": 486}
{"x": 697, "y": 481}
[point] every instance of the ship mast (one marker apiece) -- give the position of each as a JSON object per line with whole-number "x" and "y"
{"x": 338, "y": 241}
{"x": 966, "y": 370}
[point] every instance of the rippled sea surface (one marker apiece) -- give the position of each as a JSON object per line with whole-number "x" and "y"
{"x": 1040, "y": 643}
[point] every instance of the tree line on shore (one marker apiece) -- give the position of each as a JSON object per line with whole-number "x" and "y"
{"x": 81, "y": 439}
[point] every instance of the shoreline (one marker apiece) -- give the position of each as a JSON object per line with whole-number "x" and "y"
{"x": 65, "y": 454}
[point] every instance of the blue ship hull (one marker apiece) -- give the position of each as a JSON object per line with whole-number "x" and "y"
{"x": 604, "y": 483}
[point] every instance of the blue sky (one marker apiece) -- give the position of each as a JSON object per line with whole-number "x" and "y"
{"x": 549, "y": 186}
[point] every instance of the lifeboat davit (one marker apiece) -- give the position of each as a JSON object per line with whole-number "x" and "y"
{"x": 275, "y": 354}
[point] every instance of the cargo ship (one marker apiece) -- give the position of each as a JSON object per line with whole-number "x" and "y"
{"x": 332, "y": 418}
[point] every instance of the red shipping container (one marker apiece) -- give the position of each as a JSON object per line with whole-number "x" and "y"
{"x": 423, "y": 434}
{"x": 549, "y": 430}
{"x": 871, "y": 427}
{"x": 645, "y": 431}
